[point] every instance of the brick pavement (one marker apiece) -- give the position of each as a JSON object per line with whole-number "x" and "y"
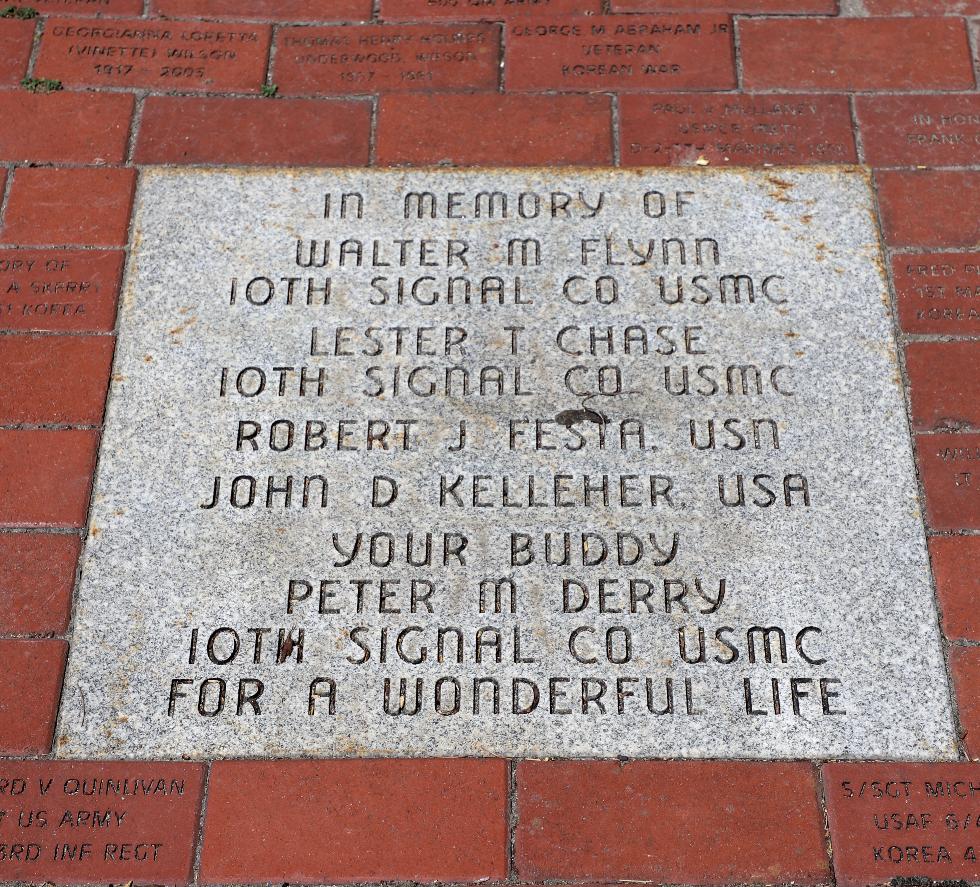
{"x": 888, "y": 83}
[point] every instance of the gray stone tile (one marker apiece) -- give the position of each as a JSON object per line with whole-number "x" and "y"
{"x": 804, "y": 351}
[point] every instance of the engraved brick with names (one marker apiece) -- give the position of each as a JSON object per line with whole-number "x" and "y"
{"x": 680, "y": 129}
{"x": 891, "y": 820}
{"x": 98, "y": 822}
{"x": 61, "y": 290}
{"x": 620, "y": 53}
{"x": 166, "y": 54}
{"x": 387, "y": 58}
{"x": 938, "y": 292}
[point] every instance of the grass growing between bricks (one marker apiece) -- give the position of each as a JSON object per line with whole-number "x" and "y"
{"x": 41, "y": 84}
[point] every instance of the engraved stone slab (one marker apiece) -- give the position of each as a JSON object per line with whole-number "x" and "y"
{"x": 525, "y": 463}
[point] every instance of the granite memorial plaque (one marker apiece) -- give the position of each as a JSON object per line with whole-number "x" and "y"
{"x": 525, "y": 463}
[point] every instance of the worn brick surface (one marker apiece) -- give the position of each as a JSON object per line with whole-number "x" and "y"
{"x": 964, "y": 664}
{"x": 89, "y": 7}
{"x": 944, "y": 378}
{"x": 64, "y": 126}
{"x": 16, "y": 38}
{"x": 274, "y": 10}
{"x": 842, "y": 54}
{"x": 387, "y": 58}
{"x": 771, "y": 7}
{"x": 418, "y": 820}
{"x": 620, "y": 53}
{"x": 299, "y": 132}
{"x": 30, "y": 687}
{"x": 923, "y": 7}
{"x": 59, "y": 290}
{"x": 930, "y": 208}
{"x": 45, "y": 476}
{"x": 938, "y": 292}
{"x": 950, "y": 469}
{"x": 37, "y": 574}
{"x": 704, "y": 822}
{"x": 69, "y": 206}
{"x": 681, "y": 128}
{"x": 894, "y": 820}
{"x": 485, "y": 10}
{"x": 135, "y": 820}
{"x": 168, "y": 55}
{"x": 54, "y": 379}
{"x": 927, "y": 130}
{"x": 526, "y": 130}
{"x": 956, "y": 567}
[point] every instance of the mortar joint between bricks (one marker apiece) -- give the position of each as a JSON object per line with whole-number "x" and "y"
{"x": 616, "y": 130}
{"x": 139, "y": 104}
{"x": 737, "y": 55}
{"x": 502, "y": 61}
{"x": 973, "y": 42}
{"x": 199, "y": 831}
{"x": 270, "y": 61}
{"x": 35, "y": 46}
{"x": 821, "y": 792}
{"x": 5, "y": 195}
{"x": 512, "y": 820}
{"x": 856, "y": 132}
{"x": 373, "y": 131}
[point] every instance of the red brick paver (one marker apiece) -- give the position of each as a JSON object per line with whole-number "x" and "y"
{"x": 527, "y": 130}
{"x": 955, "y": 561}
{"x": 54, "y": 380}
{"x": 680, "y": 129}
{"x": 944, "y": 379}
{"x": 890, "y": 821}
{"x": 950, "y": 468}
{"x": 616, "y": 53}
{"x": 89, "y": 7}
{"x": 923, "y": 7}
{"x": 784, "y": 7}
{"x": 420, "y": 820}
{"x": 930, "y": 208}
{"x": 16, "y": 38}
{"x": 166, "y": 55}
{"x": 30, "y": 687}
{"x": 274, "y": 10}
{"x": 37, "y": 574}
{"x": 65, "y": 127}
{"x": 938, "y": 292}
{"x": 930, "y": 130}
{"x": 69, "y": 206}
{"x": 387, "y": 58}
{"x": 844, "y": 54}
{"x": 95, "y": 822}
{"x": 964, "y": 663}
{"x": 59, "y": 290}
{"x": 45, "y": 476}
{"x": 487, "y": 10}
{"x": 580, "y": 820}
{"x": 299, "y": 132}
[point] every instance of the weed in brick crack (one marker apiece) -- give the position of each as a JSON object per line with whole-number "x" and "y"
{"x": 269, "y": 90}
{"x": 41, "y": 84}
{"x": 18, "y": 12}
